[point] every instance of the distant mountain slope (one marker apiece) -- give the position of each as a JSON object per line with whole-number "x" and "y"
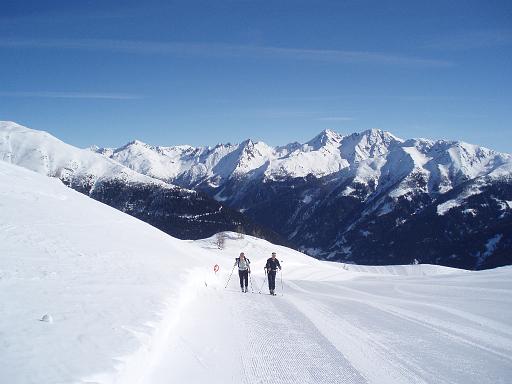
{"x": 181, "y": 212}
{"x": 367, "y": 197}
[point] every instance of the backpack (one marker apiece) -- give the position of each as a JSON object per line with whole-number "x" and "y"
{"x": 238, "y": 261}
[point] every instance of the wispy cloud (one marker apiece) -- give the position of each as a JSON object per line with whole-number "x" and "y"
{"x": 226, "y": 50}
{"x": 67, "y": 17}
{"x": 271, "y": 113}
{"x": 336, "y": 118}
{"x": 290, "y": 112}
{"x": 73, "y": 95}
{"x": 467, "y": 40}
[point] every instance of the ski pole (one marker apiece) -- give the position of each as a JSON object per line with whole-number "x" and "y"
{"x": 231, "y": 274}
{"x": 263, "y": 281}
{"x": 281, "y": 272}
{"x": 262, "y": 284}
{"x": 250, "y": 280}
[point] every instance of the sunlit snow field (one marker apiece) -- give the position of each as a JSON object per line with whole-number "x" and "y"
{"x": 126, "y": 303}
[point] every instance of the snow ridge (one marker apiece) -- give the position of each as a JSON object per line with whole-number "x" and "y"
{"x": 370, "y": 157}
{"x": 45, "y": 154}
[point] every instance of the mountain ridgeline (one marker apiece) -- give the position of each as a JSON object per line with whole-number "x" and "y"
{"x": 367, "y": 198}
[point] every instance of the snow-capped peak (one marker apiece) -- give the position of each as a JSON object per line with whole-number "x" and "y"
{"x": 11, "y": 127}
{"x": 131, "y": 145}
{"x": 43, "y": 153}
{"x": 252, "y": 156}
{"x": 94, "y": 148}
{"x": 368, "y": 144}
{"x": 380, "y": 134}
{"x": 324, "y": 138}
{"x": 137, "y": 143}
{"x": 375, "y": 136}
{"x": 248, "y": 143}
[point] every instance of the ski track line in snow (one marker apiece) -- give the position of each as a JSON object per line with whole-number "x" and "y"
{"x": 501, "y": 294}
{"x": 496, "y": 326}
{"x": 271, "y": 342}
{"x": 437, "y": 324}
{"x": 454, "y": 331}
{"x": 400, "y": 367}
{"x": 431, "y": 376}
{"x": 288, "y": 345}
{"x": 445, "y": 288}
{"x": 298, "y": 338}
{"x": 377, "y": 361}
{"x": 440, "y": 326}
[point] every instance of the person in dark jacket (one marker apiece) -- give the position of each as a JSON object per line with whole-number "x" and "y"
{"x": 243, "y": 271}
{"x": 271, "y": 269}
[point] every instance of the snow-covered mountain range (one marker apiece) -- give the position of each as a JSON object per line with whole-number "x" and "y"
{"x": 368, "y": 157}
{"x": 182, "y": 212}
{"x": 368, "y": 198}
{"x": 355, "y": 197}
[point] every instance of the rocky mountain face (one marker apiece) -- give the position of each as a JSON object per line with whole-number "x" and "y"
{"x": 368, "y": 198}
{"x": 181, "y": 212}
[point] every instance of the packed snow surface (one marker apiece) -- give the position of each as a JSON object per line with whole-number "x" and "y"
{"x": 91, "y": 295}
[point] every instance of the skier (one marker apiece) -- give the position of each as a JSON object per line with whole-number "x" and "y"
{"x": 271, "y": 269}
{"x": 243, "y": 271}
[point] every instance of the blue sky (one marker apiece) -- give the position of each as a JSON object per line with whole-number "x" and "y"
{"x": 203, "y": 72}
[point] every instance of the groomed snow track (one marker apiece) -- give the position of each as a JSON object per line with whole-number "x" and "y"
{"x": 394, "y": 329}
{"x": 271, "y": 342}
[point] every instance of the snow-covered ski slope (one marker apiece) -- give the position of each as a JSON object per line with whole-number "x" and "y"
{"x": 128, "y": 304}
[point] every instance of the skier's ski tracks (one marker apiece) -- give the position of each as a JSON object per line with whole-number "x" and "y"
{"x": 324, "y": 332}
{"x": 283, "y": 346}
{"x": 270, "y": 341}
{"x": 429, "y": 350}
